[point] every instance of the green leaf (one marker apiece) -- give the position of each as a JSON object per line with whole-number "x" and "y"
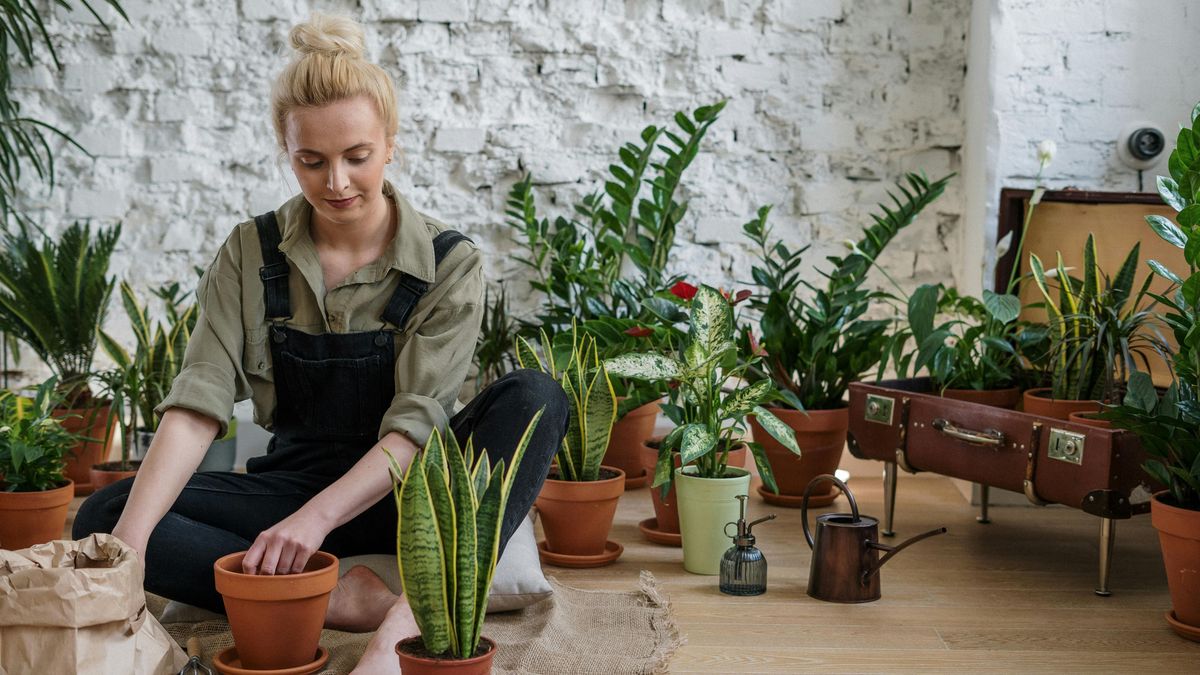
{"x": 922, "y": 307}
{"x": 711, "y": 321}
{"x": 697, "y": 442}
{"x": 1004, "y": 308}
{"x": 649, "y": 367}
{"x": 1141, "y": 393}
{"x": 778, "y": 430}
{"x": 746, "y": 398}
{"x": 1169, "y": 190}
{"x": 1190, "y": 216}
{"x": 1168, "y": 230}
{"x": 1162, "y": 271}
{"x": 423, "y": 567}
{"x": 764, "y": 467}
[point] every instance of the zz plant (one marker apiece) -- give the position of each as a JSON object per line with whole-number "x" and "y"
{"x": 709, "y": 420}
{"x": 574, "y": 361}
{"x": 451, "y": 509}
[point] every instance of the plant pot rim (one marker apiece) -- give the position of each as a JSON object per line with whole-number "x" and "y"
{"x": 238, "y": 584}
{"x": 737, "y": 473}
{"x": 996, "y": 389}
{"x": 1162, "y": 497}
{"x": 64, "y": 484}
{"x": 620, "y": 476}
{"x": 1040, "y": 392}
{"x": 448, "y": 662}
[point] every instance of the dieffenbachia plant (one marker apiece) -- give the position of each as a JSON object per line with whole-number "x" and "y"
{"x": 451, "y": 509}
{"x": 573, "y": 359}
{"x": 709, "y": 420}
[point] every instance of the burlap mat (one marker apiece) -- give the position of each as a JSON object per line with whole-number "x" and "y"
{"x": 572, "y": 631}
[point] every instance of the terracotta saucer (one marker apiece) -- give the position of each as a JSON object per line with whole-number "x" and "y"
{"x": 612, "y": 551}
{"x": 228, "y": 663}
{"x": 637, "y": 481}
{"x": 649, "y": 528}
{"x": 796, "y": 501}
{"x": 1185, "y": 630}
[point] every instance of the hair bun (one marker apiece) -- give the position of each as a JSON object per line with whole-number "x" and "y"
{"x": 328, "y": 34}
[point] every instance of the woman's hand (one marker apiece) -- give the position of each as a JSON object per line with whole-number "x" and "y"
{"x": 286, "y": 547}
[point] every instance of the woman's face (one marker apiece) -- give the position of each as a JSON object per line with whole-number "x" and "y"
{"x": 338, "y": 153}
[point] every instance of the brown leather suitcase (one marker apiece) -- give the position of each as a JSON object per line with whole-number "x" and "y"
{"x": 1050, "y": 461}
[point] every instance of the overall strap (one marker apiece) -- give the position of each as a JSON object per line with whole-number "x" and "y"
{"x": 274, "y": 272}
{"x": 410, "y": 290}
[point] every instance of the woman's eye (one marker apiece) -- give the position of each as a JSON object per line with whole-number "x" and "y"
{"x": 312, "y": 164}
{"x": 359, "y": 160}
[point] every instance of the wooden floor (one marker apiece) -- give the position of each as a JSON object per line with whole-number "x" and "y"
{"x": 1012, "y": 596}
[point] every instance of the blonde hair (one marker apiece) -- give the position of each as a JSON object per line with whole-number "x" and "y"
{"x": 329, "y": 66}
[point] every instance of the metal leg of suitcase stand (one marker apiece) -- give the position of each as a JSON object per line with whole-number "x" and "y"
{"x": 889, "y": 498}
{"x": 984, "y": 494}
{"x": 1108, "y": 535}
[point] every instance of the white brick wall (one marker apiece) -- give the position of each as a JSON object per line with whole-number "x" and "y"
{"x": 828, "y": 101}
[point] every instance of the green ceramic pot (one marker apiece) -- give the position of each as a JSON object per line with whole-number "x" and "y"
{"x": 705, "y": 505}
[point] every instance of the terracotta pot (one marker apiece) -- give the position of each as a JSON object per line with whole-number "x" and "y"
{"x": 28, "y": 518}
{"x": 413, "y": 662}
{"x": 1086, "y": 418}
{"x": 625, "y": 444}
{"x": 276, "y": 620}
{"x": 821, "y": 435}
{"x": 1038, "y": 402}
{"x": 997, "y": 398}
{"x": 577, "y": 516}
{"x": 1179, "y": 537}
{"x": 94, "y": 424}
{"x": 103, "y": 475}
{"x": 666, "y": 511}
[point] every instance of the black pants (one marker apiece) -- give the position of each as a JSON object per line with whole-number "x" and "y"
{"x": 218, "y": 513}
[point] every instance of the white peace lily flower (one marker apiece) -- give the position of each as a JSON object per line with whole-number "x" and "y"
{"x": 950, "y": 341}
{"x": 1045, "y": 152}
{"x": 5, "y": 429}
{"x": 1004, "y": 244}
{"x": 1052, "y": 273}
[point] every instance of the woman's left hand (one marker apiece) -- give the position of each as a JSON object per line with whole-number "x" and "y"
{"x": 286, "y": 547}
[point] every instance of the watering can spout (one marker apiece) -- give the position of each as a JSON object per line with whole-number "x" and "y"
{"x": 891, "y": 551}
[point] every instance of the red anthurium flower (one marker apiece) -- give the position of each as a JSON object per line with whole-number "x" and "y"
{"x": 639, "y": 332}
{"x": 683, "y": 290}
{"x": 741, "y": 295}
{"x": 673, "y": 384}
{"x": 755, "y": 348}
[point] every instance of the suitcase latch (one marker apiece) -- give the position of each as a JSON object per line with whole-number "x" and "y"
{"x": 879, "y": 409}
{"x": 1066, "y": 446}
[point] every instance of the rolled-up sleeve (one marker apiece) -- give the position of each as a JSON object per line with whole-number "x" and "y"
{"x": 211, "y": 377}
{"x": 432, "y": 366}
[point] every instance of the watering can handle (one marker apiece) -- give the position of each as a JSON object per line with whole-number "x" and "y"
{"x": 808, "y": 490}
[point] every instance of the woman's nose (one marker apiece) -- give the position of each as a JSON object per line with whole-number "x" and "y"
{"x": 337, "y": 178}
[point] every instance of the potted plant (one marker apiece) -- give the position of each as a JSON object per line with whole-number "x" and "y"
{"x": 451, "y": 506}
{"x": 579, "y": 498}
{"x": 709, "y": 425}
{"x": 1099, "y": 330}
{"x": 34, "y": 492}
{"x": 1169, "y": 428}
{"x": 608, "y": 260}
{"x": 819, "y": 340}
{"x": 53, "y": 297}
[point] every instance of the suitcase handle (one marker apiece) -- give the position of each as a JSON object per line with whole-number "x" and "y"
{"x": 985, "y": 437}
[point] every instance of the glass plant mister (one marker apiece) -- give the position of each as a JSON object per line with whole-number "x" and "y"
{"x": 743, "y": 567}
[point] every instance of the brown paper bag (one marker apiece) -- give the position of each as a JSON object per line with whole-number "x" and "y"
{"x": 78, "y": 607}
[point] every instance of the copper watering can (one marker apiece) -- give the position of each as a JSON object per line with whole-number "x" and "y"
{"x": 845, "y": 558}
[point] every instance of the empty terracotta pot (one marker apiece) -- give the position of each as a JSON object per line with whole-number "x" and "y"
{"x": 28, "y": 518}
{"x": 413, "y": 660}
{"x": 577, "y": 515}
{"x": 1038, "y": 402}
{"x": 276, "y": 620}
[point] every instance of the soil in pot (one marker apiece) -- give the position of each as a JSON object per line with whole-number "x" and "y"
{"x": 415, "y": 660}
{"x": 1038, "y": 402}
{"x": 276, "y": 620}
{"x": 821, "y": 435}
{"x": 625, "y": 444}
{"x": 997, "y": 398}
{"x": 1179, "y": 538}
{"x": 28, "y": 518}
{"x": 106, "y": 474}
{"x": 577, "y": 515}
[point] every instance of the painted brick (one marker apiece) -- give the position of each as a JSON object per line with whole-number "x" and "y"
{"x": 459, "y": 140}
{"x": 444, "y": 10}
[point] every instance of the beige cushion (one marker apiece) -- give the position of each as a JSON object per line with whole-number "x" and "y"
{"x": 518, "y": 582}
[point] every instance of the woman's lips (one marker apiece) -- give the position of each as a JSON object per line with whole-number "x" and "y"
{"x": 341, "y": 203}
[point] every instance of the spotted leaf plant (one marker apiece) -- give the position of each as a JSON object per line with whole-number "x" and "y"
{"x": 707, "y": 402}
{"x": 451, "y": 508}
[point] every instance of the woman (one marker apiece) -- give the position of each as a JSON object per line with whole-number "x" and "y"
{"x": 350, "y": 320}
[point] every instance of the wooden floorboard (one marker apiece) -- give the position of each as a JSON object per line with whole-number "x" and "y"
{"x": 1014, "y": 596}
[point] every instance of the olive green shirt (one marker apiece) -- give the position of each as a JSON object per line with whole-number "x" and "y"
{"x": 228, "y": 358}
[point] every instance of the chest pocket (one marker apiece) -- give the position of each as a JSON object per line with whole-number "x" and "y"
{"x": 335, "y": 398}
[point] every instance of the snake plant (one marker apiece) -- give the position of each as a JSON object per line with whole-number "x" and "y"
{"x": 451, "y": 509}
{"x": 574, "y": 360}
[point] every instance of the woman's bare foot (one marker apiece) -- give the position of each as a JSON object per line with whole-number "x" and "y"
{"x": 360, "y": 602}
{"x": 380, "y": 656}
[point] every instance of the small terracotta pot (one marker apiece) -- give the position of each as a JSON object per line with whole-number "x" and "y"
{"x": 28, "y": 518}
{"x": 413, "y": 664}
{"x": 276, "y": 620}
{"x": 997, "y": 398}
{"x": 577, "y": 515}
{"x": 821, "y": 435}
{"x": 106, "y": 474}
{"x": 1086, "y": 418}
{"x": 94, "y": 425}
{"x": 1179, "y": 537}
{"x": 666, "y": 511}
{"x": 625, "y": 444}
{"x": 1038, "y": 402}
